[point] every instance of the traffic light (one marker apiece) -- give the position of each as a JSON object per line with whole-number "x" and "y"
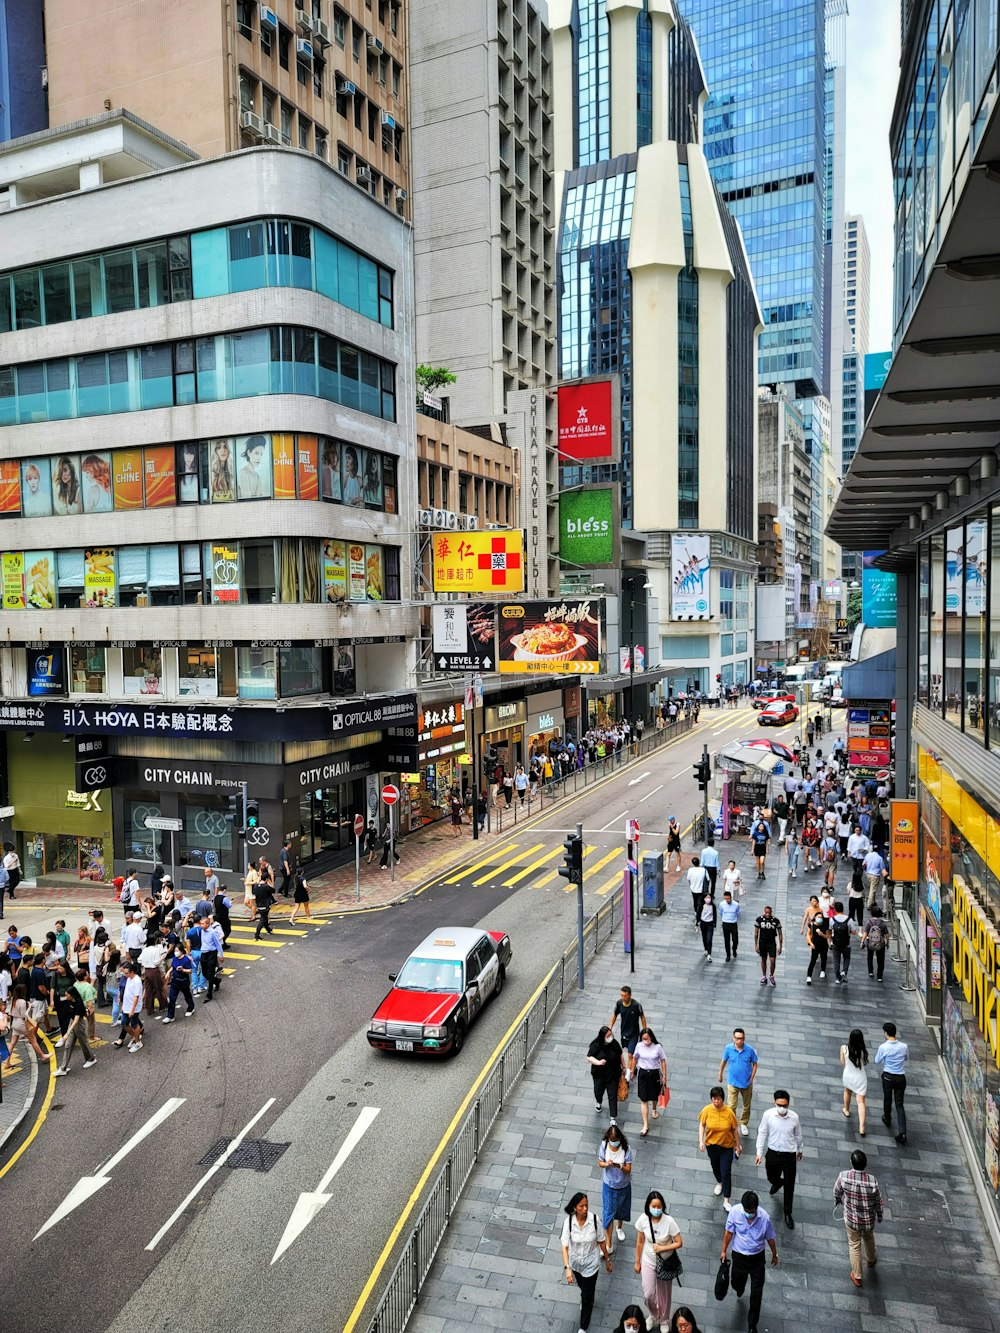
{"x": 703, "y": 772}
{"x": 253, "y": 814}
{"x": 572, "y": 866}
{"x": 235, "y": 804}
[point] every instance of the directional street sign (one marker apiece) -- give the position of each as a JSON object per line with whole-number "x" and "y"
{"x": 164, "y": 824}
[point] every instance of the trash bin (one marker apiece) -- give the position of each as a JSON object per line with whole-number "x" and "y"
{"x": 652, "y": 884}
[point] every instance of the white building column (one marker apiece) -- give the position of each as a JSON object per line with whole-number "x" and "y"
{"x": 622, "y": 16}
{"x": 563, "y": 94}
{"x": 661, "y": 13}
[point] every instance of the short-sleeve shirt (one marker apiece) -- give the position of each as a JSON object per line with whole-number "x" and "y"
{"x": 740, "y": 1064}
{"x": 631, "y": 1016}
{"x": 720, "y": 1124}
{"x": 616, "y": 1158}
{"x": 663, "y": 1229}
{"x": 767, "y": 940}
{"x": 582, "y": 1243}
{"x": 749, "y": 1237}
{"x": 760, "y": 836}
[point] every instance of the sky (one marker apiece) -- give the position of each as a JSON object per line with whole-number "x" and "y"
{"x": 872, "y": 75}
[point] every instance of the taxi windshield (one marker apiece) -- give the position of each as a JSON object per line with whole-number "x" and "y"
{"x": 431, "y": 974}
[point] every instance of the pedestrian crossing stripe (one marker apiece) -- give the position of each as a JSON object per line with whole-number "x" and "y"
{"x": 244, "y": 957}
{"x": 277, "y": 930}
{"x": 261, "y": 943}
{"x": 598, "y": 866}
{"x": 523, "y": 874}
{"x": 612, "y": 883}
{"x": 478, "y": 865}
{"x": 506, "y": 865}
{"x": 554, "y": 874}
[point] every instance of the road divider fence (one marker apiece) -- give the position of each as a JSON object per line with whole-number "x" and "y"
{"x": 402, "y": 1290}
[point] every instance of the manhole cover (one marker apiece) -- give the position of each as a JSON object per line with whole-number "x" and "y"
{"x": 252, "y": 1154}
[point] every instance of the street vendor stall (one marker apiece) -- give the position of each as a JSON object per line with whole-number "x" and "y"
{"x": 743, "y": 777}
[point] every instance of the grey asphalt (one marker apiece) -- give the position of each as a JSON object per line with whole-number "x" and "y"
{"x": 500, "y": 1264}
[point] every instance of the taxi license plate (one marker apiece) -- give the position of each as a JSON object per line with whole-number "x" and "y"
{"x": 404, "y": 1045}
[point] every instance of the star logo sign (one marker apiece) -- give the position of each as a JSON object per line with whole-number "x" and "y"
{"x": 582, "y": 419}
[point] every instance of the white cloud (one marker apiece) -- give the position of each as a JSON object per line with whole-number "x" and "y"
{"x": 872, "y": 79}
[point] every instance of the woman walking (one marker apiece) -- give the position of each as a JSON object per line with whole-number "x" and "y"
{"x": 818, "y": 939}
{"x": 875, "y": 937}
{"x": 792, "y": 854}
{"x": 719, "y": 1136}
{"x": 707, "y": 919}
{"x": 651, "y": 1064}
{"x": 732, "y": 880}
{"x": 684, "y": 1321}
{"x": 614, "y": 1157}
{"x": 607, "y": 1066}
{"x": 633, "y": 1319}
{"x": 854, "y": 1057}
{"x": 456, "y": 813}
{"x": 581, "y": 1240}
{"x": 301, "y": 896}
{"x": 21, "y": 1025}
{"x": 656, "y": 1233}
{"x": 250, "y": 882}
{"x": 674, "y": 843}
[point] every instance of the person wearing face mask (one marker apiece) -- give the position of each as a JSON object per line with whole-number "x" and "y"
{"x": 779, "y": 1143}
{"x": 707, "y": 920}
{"x": 656, "y": 1233}
{"x": 632, "y": 1321}
{"x": 718, "y": 1135}
{"x": 748, "y": 1230}
{"x": 651, "y": 1066}
{"x": 607, "y": 1065}
{"x": 614, "y": 1157}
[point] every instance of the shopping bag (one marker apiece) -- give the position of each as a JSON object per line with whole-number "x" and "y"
{"x": 722, "y": 1281}
{"x": 663, "y": 1101}
{"x": 623, "y": 1086}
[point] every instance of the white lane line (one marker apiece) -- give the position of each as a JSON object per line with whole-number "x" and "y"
{"x": 674, "y": 776}
{"x": 308, "y": 1204}
{"x": 651, "y": 793}
{"x": 87, "y": 1186}
{"x": 611, "y": 821}
{"x": 216, "y": 1166}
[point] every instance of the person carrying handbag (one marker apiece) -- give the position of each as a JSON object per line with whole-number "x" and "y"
{"x": 658, "y": 1238}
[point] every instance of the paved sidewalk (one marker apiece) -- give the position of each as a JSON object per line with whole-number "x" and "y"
{"x": 18, "y": 1087}
{"x": 500, "y": 1264}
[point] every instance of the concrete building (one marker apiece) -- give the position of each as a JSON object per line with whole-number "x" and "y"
{"x": 854, "y": 313}
{"x": 655, "y": 288}
{"x": 207, "y": 477}
{"x": 23, "y": 76}
{"x": 329, "y": 78}
{"x": 922, "y": 497}
{"x": 785, "y": 508}
{"x": 483, "y": 198}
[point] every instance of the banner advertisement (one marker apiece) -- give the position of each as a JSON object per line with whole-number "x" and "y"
{"x": 374, "y": 583}
{"x": 10, "y": 487}
{"x": 478, "y": 562}
{"x": 126, "y": 478}
{"x": 691, "y": 565}
{"x": 357, "y": 571}
{"x": 99, "y": 576}
{"x": 225, "y": 575}
{"x": 160, "y": 475}
{"x": 308, "y": 467}
{"x": 878, "y": 594}
{"x": 253, "y": 467}
{"x": 624, "y": 661}
{"x": 585, "y": 421}
{"x": 95, "y": 485}
{"x": 13, "y": 581}
{"x": 40, "y": 580}
{"x": 464, "y": 635}
{"x": 36, "y": 488}
{"x": 904, "y": 859}
{"x": 45, "y": 673}
{"x": 965, "y": 567}
{"x": 550, "y": 636}
{"x": 335, "y": 571}
{"x": 283, "y": 460}
{"x": 587, "y": 528}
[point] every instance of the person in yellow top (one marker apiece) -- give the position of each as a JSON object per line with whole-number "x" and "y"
{"x": 718, "y": 1135}
{"x": 250, "y": 882}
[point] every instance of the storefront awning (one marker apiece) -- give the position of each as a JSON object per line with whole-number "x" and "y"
{"x": 874, "y": 678}
{"x": 938, "y": 414}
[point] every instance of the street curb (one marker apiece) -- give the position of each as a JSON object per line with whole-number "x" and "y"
{"x": 28, "y": 1102}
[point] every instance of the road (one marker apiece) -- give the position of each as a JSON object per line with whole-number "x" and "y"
{"x": 281, "y": 1057}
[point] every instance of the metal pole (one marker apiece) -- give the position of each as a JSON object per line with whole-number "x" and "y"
{"x": 475, "y": 775}
{"x": 172, "y": 871}
{"x": 579, "y": 918}
{"x": 704, "y": 796}
{"x": 631, "y": 656}
{"x": 392, "y": 844}
{"x": 243, "y": 787}
{"x": 357, "y": 868}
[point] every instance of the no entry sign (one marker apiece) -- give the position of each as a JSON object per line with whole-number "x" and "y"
{"x": 390, "y": 794}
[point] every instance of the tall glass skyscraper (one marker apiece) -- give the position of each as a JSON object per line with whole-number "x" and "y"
{"x": 766, "y": 141}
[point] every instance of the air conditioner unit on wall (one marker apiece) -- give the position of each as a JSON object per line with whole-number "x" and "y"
{"x": 424, "y": 518}
{"x": 364, "y": 176}
{"x": 272, "y": 134}
{"x": 345, "y": 87}
{"x": 439, "y": 518}
{"x": 374, "y": 44}
{"x": 268, "y": 18}
{"x": 387, "y": 121}
{"x": 304, "y": 19}
{"x": 469, "y": 522}
{"x": 303, "y": 50}
{"x": 252, "y": 124}
{"x": 322, "y": 31}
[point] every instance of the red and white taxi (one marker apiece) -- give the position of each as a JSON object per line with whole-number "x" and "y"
{"x": 441, "y": 988}
{"x": 777, "y": 712}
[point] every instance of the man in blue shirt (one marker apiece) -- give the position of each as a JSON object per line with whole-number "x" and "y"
{"x": 748, "y": 1229}
{"x": 729, "y": 915}
{"x": 742, "y": 1062}
{"x": 892, "y": 1056}
{"x": 710, "y": 860}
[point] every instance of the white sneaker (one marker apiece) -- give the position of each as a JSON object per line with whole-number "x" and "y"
{"x": 87, "y": 1064}
{"x": 136, "y": 1046}
{"x": 169, "y": 1020}
{"x": 726, "y": 1204}
{"x": 619, "y": 1233}
{"x": 744, "y": 1129}
{"x": 59, "y": 1073}
{"x": 717, "y": 1190}
{"x": 822, "y": 974}
{"x": 58, "y": 1043}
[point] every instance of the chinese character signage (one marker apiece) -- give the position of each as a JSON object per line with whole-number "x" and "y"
{"x": 126, "y": 474}
{"x": 587, "y": 528}
{"x": 463, "y": 635}
{"x": 691, "y": 568}
{"x": 13, "y": 580}
{"x": 161, "y": 477}
{"x": 550, "y": 636}
{"x": 283, "y": 462}
{"x": 585, "y": 421}
{"x": 878, "y": 594}
{"x": 478, "y": 562}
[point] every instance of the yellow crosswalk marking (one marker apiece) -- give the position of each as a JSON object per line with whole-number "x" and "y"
{"x": 478, "y": 865}
{"x": 261, "y": 943}
{"x": 554, "y": 874}
{"x": 244, "y": 957}
{"x": 505, "y": 865}
{"x": 516, "y": 879}
{"x": 599, "y": 865}
{"x": 103, "y": 1018}
{"x": 277, "y": 930}
{"x": 612, "y": 883}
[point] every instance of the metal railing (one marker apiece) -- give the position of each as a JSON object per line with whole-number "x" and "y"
{"x": 402, "y": 1290}
{"x": 539, "y": 795}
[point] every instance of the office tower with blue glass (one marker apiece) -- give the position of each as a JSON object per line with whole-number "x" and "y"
{"x": 654, "y": 286}
{"x": 23, "y": 75}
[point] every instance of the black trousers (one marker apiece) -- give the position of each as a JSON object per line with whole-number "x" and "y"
{"x": 707, "y": 932}
{"x": 713, "y": 874}
{"x": 855, "y": 909}
{"x": 780, "y": 1168}
{"x": 601, "y": 1086}
{"x": 697, "y": 902}
{"x": 263, "y": 921}
{"x": 878, "y": 954}
{"x": 820, "y": 950}
{"x": 894, "y": 1090}
{"x": 179, "y": 987}
{"x": 731, "y": 936}
{"x": 587, "y": 1285}
{"x": 209, "y": 970}
{"x": 749, "y": 1266}
{"x": 286, "y": 882}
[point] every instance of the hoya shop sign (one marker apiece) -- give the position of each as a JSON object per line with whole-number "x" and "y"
{"x": 587, "y": 527}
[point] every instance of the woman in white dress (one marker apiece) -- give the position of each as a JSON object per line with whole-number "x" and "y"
{"x": 854, "y": 1058}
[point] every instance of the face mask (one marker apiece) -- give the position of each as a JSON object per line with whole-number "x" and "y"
{"x": 610, "y": 1039}
{"x": 656, "y": 1212}
{"x": 782, "y": 1110}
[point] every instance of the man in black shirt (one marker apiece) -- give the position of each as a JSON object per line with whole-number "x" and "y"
{"x": 633, "y": 1019}
{"x": 768, "y": 941}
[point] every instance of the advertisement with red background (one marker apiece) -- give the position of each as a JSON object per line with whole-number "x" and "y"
{"x": 308, "y": 467}
{"x": 160, "y": 475}
{"x": 283, "y": 460}
{"x": 10, "y": 487}
{"x": 585, "y": 420}
{"x": 126, "y": 478}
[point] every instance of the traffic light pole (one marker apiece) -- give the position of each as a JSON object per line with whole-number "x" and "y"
{"x": 579, "y": 913}
{"x": 706, "y": 768}
{"x": 476, "y": 776}
{"x": 243, "y": 787}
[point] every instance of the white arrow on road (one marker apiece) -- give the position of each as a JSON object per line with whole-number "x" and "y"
{"x": 309, "y": 1204}
{"x": 87, "y": 1186}
{"x": 638, "y": 779}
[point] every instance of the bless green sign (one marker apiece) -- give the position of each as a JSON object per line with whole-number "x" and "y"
{"x": 586, "y": 527}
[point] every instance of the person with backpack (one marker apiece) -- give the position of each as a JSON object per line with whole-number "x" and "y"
{"x": 841, "y": 930}
{"x": 875, "y": 937}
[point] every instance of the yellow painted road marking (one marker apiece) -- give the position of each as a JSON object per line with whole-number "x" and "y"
{"x": 49, "y": 1093}
{"x": 103, "y": 1018}
{"x": 516, "y": 879}
{"x": 554, "y": 874}
{"x": 599, "y": 865}
{"x": 244, "y": 957}
{"x": 612, "y": 883}
{"x": 506, "y": 865}
{"x": 261, "y": 943}
{"x": 478, "y": 865}
{"x": 275, "y": 929}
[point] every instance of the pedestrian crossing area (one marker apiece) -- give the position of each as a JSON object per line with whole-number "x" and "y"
{"x": 521, "y": 863}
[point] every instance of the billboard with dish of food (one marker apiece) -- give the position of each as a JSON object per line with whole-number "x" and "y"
{"x": 550, "y": 636}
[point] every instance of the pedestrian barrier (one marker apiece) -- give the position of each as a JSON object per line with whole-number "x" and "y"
{"x": 402, "y": 1290}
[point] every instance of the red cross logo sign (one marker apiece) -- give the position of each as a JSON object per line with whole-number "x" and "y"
{"x": 498, "y": 560}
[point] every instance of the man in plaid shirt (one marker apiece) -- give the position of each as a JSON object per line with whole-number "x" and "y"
{"x": 859, "y": 1192}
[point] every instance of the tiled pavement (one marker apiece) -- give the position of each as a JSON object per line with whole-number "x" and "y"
{"x": 499, "y": 1265}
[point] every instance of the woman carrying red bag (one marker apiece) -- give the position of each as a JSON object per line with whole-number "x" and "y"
{"x": 651, "y": 1066}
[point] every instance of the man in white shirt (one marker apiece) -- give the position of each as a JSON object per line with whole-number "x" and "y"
{"x": 131, "y": 1008}
{"x": 130, "y": 891}
{"x": 698, "y": 884}
{"x": 841, "y": 929}
{"x": 12, "y": 865}
{"x": 184, "y": 905}
{"x": 151, "y": 971}
{"x": 779, "y": 1143}
{"x": 134, "y": 936}
{"x": 858, "y": 847}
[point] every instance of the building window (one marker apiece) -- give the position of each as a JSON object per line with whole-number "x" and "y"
{"x": 256, "y": 671}
{"x": 357, "y": 40}
{"x": 248, "y": 93}
{"x": 266, "y": 41}
{"x": 88, "y": 672}
{"x": 284, "y": 42}
{"x": 303, "y": 133}
{"x": 198, "y": 672}
{"x": 301, "y": 671}
{"x": 142, "y": 671}
{"x": 244, "y": 18}
{"x": 286, "y": 124}
{"x": 340, "y": 28}
{"x": 269, "y": 101}
{"x": 322, "y": 149}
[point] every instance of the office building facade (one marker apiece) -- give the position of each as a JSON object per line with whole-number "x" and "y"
{"x": 23, "y": 75}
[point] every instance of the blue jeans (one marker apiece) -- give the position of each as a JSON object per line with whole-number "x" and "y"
{"x": 116, "y": 1006}
{"x": 197, "y": 976}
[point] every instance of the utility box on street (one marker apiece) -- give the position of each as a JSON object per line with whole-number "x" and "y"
{"x": 652, "y": 884}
